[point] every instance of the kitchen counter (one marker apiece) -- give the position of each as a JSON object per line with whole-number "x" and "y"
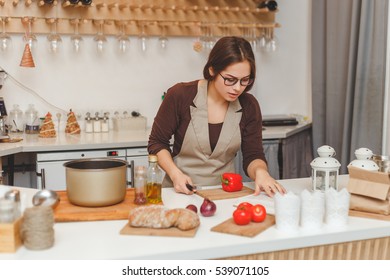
{"x": 112, "y": 139}
{"x": 362, "y": 238}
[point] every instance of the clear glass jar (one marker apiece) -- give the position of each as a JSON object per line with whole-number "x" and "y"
{"x": 139, "y": 185}
{"x": 32, "y": 120}
{"x": 154, "y": 180}
{"x": 16, "y": 121}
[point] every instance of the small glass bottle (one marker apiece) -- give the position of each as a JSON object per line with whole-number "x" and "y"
{"x": 88, "y": 123}
{"x": 154, "y": 180}
{"x": 139, "y": 185}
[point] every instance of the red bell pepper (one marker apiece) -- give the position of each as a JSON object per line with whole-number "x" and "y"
{"x": 231, "y": 182}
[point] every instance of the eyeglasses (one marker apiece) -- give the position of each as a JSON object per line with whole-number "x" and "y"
{"x": 231, "y": 81}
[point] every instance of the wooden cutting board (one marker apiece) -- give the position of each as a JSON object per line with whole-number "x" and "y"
{"x": 67, "y": 212}
{"x": 249, "y": 230}
{"x": 369, "y": 215}
{"x": 219, "y": 193}
{"x": 172, "y": 232}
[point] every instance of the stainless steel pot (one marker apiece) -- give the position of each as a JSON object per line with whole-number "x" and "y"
{"x": 96, "y": 182}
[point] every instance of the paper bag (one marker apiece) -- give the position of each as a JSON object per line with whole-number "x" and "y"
{"x": 370, "y": 190}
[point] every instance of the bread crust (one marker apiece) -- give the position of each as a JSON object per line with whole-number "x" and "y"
{"x": 158, "y": 216}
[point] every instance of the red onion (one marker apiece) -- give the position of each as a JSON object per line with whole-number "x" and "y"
{"x": 192, "y": 207}
{"x": 208, "y": 208}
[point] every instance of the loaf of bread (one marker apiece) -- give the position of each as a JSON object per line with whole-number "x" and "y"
{"x": 158, "y": 216}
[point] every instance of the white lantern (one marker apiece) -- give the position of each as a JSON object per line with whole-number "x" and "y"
{"x": 325, "y": 169}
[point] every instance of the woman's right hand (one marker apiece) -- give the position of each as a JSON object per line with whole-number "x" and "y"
{"x": 180, "y": 180}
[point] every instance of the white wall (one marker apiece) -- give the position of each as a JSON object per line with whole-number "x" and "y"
{"x": 136, "y": 80}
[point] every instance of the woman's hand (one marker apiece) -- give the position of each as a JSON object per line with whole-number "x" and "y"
{"x": 180, "y": 180}
{"x": 264, "y": 182}
{"x": 257, "y": 170}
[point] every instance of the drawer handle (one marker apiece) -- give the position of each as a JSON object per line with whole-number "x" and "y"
{"x": 42, "y": 175}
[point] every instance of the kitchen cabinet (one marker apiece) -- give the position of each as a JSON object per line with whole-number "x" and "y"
{"x": 288, "y": 150}
{"x": 51, "y": 173}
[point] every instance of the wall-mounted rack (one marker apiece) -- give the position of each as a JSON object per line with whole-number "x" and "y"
{"x": 173, "y": 17}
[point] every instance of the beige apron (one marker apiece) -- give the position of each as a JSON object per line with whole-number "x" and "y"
{"x": 195, "y": 157}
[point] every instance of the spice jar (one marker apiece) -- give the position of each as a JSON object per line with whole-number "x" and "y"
{"x": 97, "y": 124}
{"x": 139, "y": 185}
{"x": 105, "y": 121}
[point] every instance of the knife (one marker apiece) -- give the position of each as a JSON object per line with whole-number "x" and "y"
{"x": 191, "y": 188}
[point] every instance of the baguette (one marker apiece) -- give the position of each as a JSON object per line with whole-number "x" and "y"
{"x": 158, "y": 216}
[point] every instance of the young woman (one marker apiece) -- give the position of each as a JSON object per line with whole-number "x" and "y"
{"x": 211, "y": 119}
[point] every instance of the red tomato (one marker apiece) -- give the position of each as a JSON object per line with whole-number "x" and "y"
{"x": 244, "y": 206}
{"x": 258, "y": 213}
{"x": 242, "y": 217}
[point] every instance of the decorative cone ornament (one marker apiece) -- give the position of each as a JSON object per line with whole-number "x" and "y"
{"x": 27, "y": 59}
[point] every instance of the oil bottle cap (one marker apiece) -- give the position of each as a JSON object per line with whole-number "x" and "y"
{"x": 153, "y": 158}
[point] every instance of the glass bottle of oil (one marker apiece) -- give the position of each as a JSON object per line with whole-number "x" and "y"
{"x": 153, "y": 183}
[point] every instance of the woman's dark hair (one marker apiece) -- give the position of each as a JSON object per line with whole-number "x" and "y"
{"x": 229, "y": 50}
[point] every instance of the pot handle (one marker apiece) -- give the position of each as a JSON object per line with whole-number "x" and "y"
{"x": 42, "y": 175}
{"x": 131, "y": 166}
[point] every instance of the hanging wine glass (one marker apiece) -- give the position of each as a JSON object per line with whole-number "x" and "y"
{"x": 76, "y": 38}
{"x": 197, "y": 44}
{"x": 263, "y": 39}
{"x": 30, "y": 38}
{"x": 100, "y": 38}
{"x": 252, "y": 36}
{"x": 163, "y": 39}
{"x": 143, "y": 38}
{"x": 273, "y": 42}
{"x": 54, "y": 38}
{"x": 5, "y": 39}
{"x": 123, "y": 39}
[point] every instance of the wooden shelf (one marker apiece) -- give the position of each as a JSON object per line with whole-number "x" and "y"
{"x": 175, "y": 17}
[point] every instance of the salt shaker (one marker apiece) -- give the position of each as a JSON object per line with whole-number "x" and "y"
{"x": 105, "y": 126}
{"x": 139, "y": 185}
{"x": 14, "y": 196}
{"x": 6, "y": 211}
{"x": 97, "y": 124}
{"x": 88, "y": 123}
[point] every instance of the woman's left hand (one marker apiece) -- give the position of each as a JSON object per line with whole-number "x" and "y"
{"x": 269, "y": 185}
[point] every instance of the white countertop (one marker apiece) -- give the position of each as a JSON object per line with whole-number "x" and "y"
{"x": 112, "y": 139}
{"x": 101, "y": 239}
